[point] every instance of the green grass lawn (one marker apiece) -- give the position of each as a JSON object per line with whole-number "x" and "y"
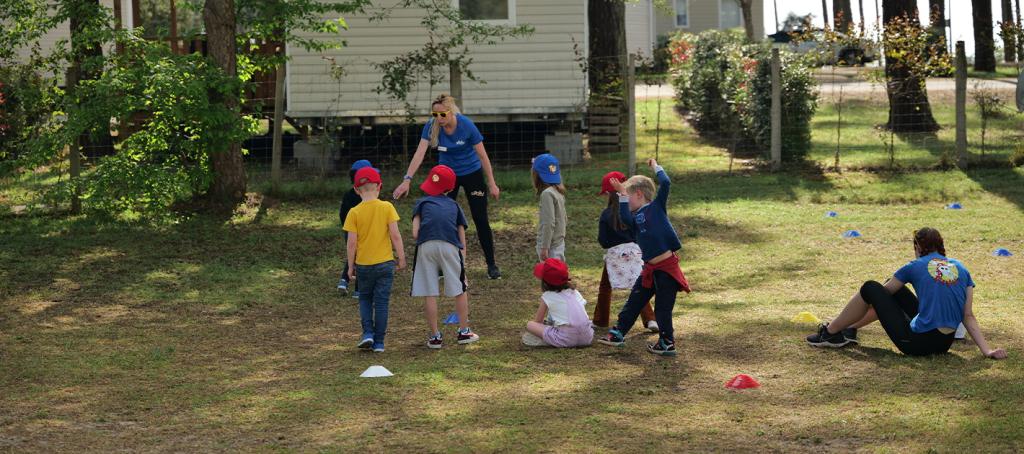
{"x": 227, "y": 334}
{"x": 861, "y": 138}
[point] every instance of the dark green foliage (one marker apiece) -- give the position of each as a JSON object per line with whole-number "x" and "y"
{"x": 799, "y": 102}
{"x": 726, "y": 88}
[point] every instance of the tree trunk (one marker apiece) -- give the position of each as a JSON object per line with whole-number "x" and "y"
{"x": 82, "y": 13}
{"x": 746, "y": 6}
{"x": 861, "y": 4}
{"x": 228, "y": 187}
{"x": 824, "y": 12}
{"x": 937, "y": 24}
{"x": 1020, "y": 36}
{"x": 843, "y": 15}
{"x": 984, "y": 43}
{"x": 1008, "y": 33}
{"x": 607, "y": 46}
{"x": 909, "y": 109}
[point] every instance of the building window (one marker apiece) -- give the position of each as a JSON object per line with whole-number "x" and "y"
{"x": 729, "y": 15}
{"x": 487, "y": 10}
{"x": 682, "y": 13}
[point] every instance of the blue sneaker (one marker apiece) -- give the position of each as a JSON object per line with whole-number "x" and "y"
{"x": 355, "y": 294}
{"x": 367, "y": 342}
{"x": 378, "y": 347}
{"x": 613, "y": 338}
{"x": 343, "y": 287}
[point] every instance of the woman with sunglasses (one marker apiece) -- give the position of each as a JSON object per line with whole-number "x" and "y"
{"x": 460, "y": 146}
{"x": 918, "y": 325}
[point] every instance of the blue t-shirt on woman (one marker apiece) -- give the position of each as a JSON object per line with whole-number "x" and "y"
{"x": 941, "y": 285}
{"x": 456, "y": 150}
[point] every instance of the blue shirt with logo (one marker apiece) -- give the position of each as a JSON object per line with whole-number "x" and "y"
{"x": 941, "y": 286}
{"x": 456, "y": 150}
{"x": 440, "y": 218}
{"x": 653, "y": 230}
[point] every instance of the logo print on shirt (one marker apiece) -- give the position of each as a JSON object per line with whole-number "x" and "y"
{"x": 641, "y": 222}
{"x": 943, "y": 272}
{"x": 460, "y": 142}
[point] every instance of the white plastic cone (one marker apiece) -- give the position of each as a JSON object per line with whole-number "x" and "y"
{"x": 376, "y": 371}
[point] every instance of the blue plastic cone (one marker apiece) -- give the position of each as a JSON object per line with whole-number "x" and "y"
{"x": 851, "y": 234}
{"x": 1002, "y": 252}
{"x": 452, "y": 319}
{"x": 831, "y": 214}
{"x": 954, "y": 206}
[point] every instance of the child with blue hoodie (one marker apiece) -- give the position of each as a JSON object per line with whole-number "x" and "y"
{"x": 647, "y": 216}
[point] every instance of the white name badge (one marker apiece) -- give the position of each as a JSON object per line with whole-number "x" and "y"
{"x": 440, "y": 148}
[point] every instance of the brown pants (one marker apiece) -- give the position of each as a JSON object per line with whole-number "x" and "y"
{"x": 604, "y": 303}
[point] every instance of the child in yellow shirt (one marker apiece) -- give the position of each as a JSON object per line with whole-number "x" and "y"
{"x": 372, "y": 228}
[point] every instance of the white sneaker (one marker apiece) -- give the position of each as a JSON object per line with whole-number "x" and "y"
{"x": 531, "y": 340}
{"x": 652, "y": 326}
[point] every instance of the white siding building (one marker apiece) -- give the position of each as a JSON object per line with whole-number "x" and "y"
{"x": 536, "y": 74}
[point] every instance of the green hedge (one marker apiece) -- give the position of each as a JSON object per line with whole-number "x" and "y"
{"x": 725, "y": 86}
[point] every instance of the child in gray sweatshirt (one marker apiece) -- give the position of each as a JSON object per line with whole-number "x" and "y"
{"x": 547, "y": 181}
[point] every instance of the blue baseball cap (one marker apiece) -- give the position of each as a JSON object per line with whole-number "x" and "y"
{"x": 360, "y": 164}
{"x": 547, "y": 168}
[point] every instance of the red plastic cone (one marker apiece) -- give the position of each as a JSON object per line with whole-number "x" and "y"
{"x": 742, "y": 381}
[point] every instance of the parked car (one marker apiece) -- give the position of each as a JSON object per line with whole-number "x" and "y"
{"x": 842, "y": 49}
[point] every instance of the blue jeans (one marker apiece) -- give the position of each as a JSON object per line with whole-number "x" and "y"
{"x": 375, "y": 290}
{"x": 664, "y": 293}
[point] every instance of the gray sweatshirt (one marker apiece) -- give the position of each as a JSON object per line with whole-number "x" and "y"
{"x": 552, "y": 219}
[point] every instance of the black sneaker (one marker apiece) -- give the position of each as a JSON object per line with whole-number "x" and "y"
{"x": 823, "y": 339}
{"x": 493, "y": 272}
{"x": 851, "y": 335}
{"x": 663, "y": 348}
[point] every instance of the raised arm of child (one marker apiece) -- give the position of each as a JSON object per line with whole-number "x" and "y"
{"x": 972, "y": 326}
{"x": 350, "y": 249}
{"x": 624, "y": 214}
{"x": 664, "y": 183}
{"x": 396, "y": 241}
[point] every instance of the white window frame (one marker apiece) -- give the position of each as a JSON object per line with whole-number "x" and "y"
{"x": 511, "y": 21}
{"x": 722, "y": 27}
{"x": 675, "y": 14}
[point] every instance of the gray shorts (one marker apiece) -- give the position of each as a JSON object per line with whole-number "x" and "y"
{"x": 434, "y": 258}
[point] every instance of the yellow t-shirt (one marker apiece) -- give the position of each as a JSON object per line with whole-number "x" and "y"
{"x": 369, "y": 220}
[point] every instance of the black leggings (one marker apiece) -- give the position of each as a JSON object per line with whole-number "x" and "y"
{"x": 476, "y": 193}
{"x": 895, "y": 312}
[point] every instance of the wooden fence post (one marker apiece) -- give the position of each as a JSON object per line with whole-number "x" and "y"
{"x": 776, "y": 110}
{"x": 631, "y": 111}
{"x": 961, "y": 106}
{"x": 275, "y": 160}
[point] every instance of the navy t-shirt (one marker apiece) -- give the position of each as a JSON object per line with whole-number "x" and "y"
{"x": 440, "y": 218}
{"x": 456, "y": 150}
{"x": 609, "y": 235}
{"x": 941, "y": 286}
{"x": 653, "y": 230}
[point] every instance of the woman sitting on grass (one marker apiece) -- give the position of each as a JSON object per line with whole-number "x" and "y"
{"x": 922, "y": 325}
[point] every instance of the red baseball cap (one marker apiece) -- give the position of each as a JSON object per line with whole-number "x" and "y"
{"x": 366, "y": 175}
{"x": 552, "y": 271}
{"x": 606, "y": 182}
{"x": 440, "y": 180}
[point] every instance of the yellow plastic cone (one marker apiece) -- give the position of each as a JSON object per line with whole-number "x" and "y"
{"x": 806, "y": 317}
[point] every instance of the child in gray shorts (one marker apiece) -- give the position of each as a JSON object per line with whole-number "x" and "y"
{"x": 439, "y": 228}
